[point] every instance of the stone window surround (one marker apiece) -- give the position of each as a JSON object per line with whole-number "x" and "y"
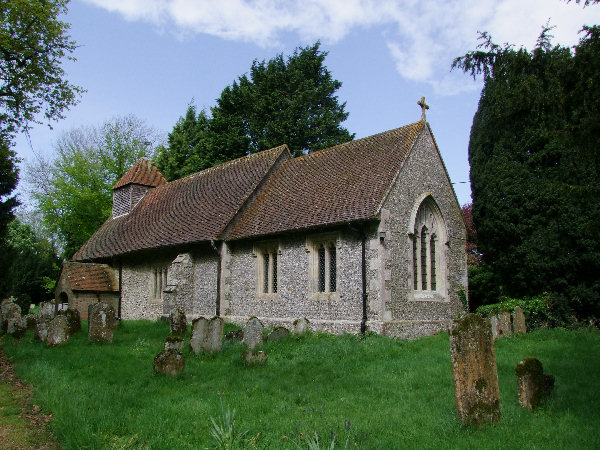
{"x": 259, "y": 251}
{"x": 158, "y": 282}
{"x": 435, "y": 227}
{"x": 313, "y": 243}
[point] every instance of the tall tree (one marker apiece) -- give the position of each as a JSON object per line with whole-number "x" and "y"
{"x": 282, "y": 101}
{"x": 33, "y": 46}
{"x": 73, "y": 191}
{"x": 188, "y": 146}
{"x": 31, "y": 262}
{"x": 9, "y": 176}
{"x": 535, "y": 167}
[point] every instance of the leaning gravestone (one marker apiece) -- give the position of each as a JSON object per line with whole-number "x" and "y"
{"x": 301, "y": 325}
{"x": 253, "y": 333}
{"x": 46, "y": 313}
{"x": 169, "y": 362}
{"x": 519, "y": 326}
{"x": 495, "y": 326}
{"x": 207, "y": 335}
{"x": 58, "y": 331}
{"x": 102, "y": 322}
{"x": 476, "y": 390}
{"x": 504, "y": 326}
{"x": 178, "y": 322}
{"x": 278, "y": 334}
{"x": 73, "y": 319}
{"x": 11, "y": 312}
{"x": 16, "y": 327}
{"x": 532, "y": 383}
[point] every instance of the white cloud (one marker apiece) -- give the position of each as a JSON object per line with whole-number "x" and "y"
{"x": 422, "y": 37}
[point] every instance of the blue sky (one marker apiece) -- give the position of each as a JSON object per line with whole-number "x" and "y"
{"x": 151, "y": 58}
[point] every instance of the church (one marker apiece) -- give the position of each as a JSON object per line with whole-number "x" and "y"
{"x": 364, "y": 236}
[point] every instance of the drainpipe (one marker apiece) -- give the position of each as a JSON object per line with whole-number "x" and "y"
{"x": 120, "y": 286}
{"x": 218, "y": 301}
{"x": 363, "y": 237}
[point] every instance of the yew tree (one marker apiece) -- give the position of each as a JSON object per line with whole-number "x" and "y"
{"x": 535, "y": 168}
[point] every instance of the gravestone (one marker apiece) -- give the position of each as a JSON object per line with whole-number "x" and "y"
{"x": 207, "y": 335}
{"x": 41, "y": 329}
{"x": 178, "y": 322}
{"x": 174, "y": 343}
{"x": 102, "y": 322}
{"x": 301, "y": 325}
{"x": 476, "y": 390}
{"x": 495, "y": 326}
{"x": 533, "y": 385}
{"x": 58, "y": 331}
{"x": 169, "y": 362}
{"x": 519, "y": 326}
{"x": 16, "y": 327}
{"x": 73, "y": 320}
{"x": 46, "y": 311}
{"x": 253, "y": 333}
{"x": 250, "y": 357}
{"x": 278, "y": 334}
{"x": 31, "y": 319}
{"x": 11, "y": 312}
{"x": 504, "y": 326}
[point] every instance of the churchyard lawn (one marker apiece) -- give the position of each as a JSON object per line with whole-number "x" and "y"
{"x": 371, "y": 392}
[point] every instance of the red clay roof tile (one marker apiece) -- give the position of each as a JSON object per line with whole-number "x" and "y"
{"x": 340, "y": 184}
{"x": 142, "y": 172}
{"x": 193, "y": 209}
{"x": 90, "y": 277}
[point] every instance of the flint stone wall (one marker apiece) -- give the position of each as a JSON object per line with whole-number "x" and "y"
{"x": 405, "y": 315}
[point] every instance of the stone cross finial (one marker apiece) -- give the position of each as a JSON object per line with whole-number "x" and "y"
{"x": 424, "y": 106}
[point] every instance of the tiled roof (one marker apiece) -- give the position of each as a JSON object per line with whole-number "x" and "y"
{"x": 90, "y": 277}
{"x": 336, "y": 185}
{"x": 142, "y": 172}
{"x": 195, "y": 208}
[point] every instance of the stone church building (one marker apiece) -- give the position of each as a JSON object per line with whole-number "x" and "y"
{"x": 366, "y": 235}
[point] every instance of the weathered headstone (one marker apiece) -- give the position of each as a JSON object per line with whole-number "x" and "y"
{"x": 251, "y": 357}
{"x": 504, "y": 326}
{"x": 301, "y": 325}
{"x": 519, "y": 326}
{"x": 46, "y": 311}
{"x": 476, "y": 390}
{"x": 102, "y": 322}
{"x": 532, "y": 383}
{"x": 495, "y": 327}
{"x": 73, "y": 319}
{"x": 178, "y": 322}
{"x": 16, "y": 327}
{"x": 253, "y": 333}
{"x": 10, "y": 313}
{"x": 174, "y": 343}
{"x": 31, "y": 319}
{"x": 207, "y": 335}
{"x": 278, "y": 334}
{"x": 58, "y": 331}
{"x": 169, "y": 362}
{"x": 41, "y": 329}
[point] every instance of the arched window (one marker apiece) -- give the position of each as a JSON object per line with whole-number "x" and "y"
{"x": 428, "y": 234}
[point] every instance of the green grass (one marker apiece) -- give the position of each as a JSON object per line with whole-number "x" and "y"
{"x": 373, "y": 392}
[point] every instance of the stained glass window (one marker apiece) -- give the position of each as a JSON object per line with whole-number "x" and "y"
{"x": 424, "y": 258}
{"x": 433, "y": 275}
{"x": 274, "y": 272}
{"x": 266, "y": 274}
